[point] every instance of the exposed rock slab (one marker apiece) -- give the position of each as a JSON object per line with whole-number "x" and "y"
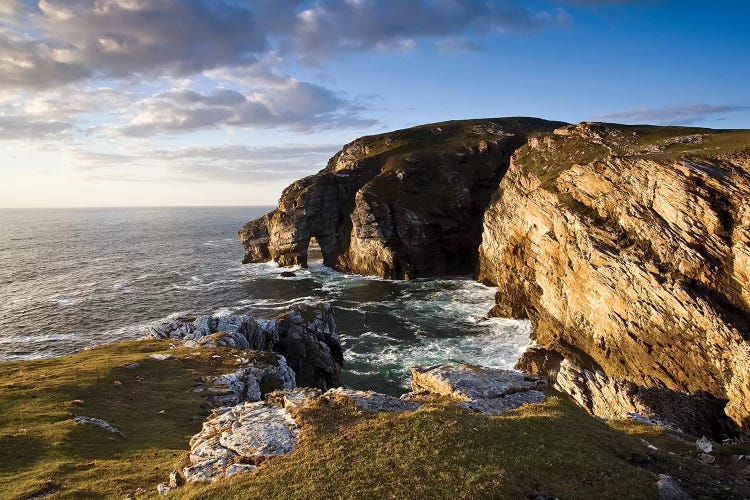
{"x": 237, "y": 438}
{"x": 372, "y": 401}
{"x": 399, "y": 205}
{"x": 305, "y": 335}
{"x": 629, "y": 249}
{"x": 486, "y": 390}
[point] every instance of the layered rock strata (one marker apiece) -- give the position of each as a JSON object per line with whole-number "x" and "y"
{"x": 400, "y": 205}
{"x": 306, "y": 337}
{"x": 629, "y": 249}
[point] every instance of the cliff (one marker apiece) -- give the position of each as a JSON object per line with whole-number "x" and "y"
{"x": 629, "y": 249}
{"x": 399, "y": 205}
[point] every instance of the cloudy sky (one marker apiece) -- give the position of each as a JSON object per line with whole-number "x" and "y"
{"x": 224, "y": 102}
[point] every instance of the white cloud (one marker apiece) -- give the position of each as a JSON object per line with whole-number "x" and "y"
{"x": 296, "y": 105}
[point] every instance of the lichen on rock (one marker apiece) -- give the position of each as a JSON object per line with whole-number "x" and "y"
{"x": 486, "y": 390}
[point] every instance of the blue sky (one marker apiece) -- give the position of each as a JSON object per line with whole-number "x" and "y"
{"x": 224, "y": 102}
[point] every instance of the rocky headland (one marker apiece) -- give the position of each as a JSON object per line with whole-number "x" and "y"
{"x": 628, "y": 247}
{"x": 405, "y": 204}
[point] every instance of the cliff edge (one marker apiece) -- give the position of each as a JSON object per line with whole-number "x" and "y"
{"x": 404, "y": 204}
{"x": 629, "y": 249}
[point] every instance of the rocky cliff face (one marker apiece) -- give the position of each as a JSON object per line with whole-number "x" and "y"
{"x": 629, "y": 248}
{"x": 398, "y": 205}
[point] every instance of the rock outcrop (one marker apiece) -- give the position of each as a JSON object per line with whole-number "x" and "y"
{"x": 485, "y": 390}
{"x": 370, "y": 400}
{"x": 251, "y": 381}
{"x": 400, "y": 205}
{"x": 629, "y": 249}
{"x": 237, "y": 439}
{"x": 306, "y": 337}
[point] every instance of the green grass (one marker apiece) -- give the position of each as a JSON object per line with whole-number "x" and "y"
{"x": 39, "y": 442}
{"x": 443, "y": 451}
{"x": 439, "y": 451}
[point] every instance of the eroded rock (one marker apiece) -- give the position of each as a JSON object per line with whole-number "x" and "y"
{"x": 399, "y": 205}
{"x": 252, "y": 380}
{"x": 305, "y": 335}
{"x": 631, "y": 260}
{"x": 235, "y": 439}
{"x": 485, "y": 390}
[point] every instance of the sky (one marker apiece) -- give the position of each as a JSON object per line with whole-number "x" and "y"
{"x": 225, "y": 102}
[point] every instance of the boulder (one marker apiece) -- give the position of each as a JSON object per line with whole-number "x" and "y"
{"x": 670, "y": 489}
{"x": 486, "y": 390}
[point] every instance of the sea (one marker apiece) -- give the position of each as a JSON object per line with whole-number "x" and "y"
{"x": 75, "y": 278}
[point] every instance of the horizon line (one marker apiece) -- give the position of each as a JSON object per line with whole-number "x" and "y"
{"x": 133, "y": 206}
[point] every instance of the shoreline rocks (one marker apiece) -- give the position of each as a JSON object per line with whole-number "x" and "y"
{"x": 306, "y": 336}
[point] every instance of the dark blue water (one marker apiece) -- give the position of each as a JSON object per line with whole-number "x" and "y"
{"x": 73, "y": 278}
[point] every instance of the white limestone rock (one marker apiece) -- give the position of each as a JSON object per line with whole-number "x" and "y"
{"x": 486, "y": 390}
{"x": 232, "y": 437}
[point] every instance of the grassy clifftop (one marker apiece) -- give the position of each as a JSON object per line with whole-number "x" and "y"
{"x": 552, "y": 448}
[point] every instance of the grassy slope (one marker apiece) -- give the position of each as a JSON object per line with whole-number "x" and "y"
{"x": 40, "y": 442}
{"x": 443, "y": 451}
{"x": 439, "y": 451}
{"x": 637, "y": 142}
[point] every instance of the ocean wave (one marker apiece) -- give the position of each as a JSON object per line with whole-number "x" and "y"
{"x": 498, "y": 348}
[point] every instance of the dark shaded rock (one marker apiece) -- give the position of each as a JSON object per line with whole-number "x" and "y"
{"x": 399, "y": 205}
{"x": 308, "y": 339}
{"x": 696, "y": 414}
{"x": 305, "y": 336}
{"x": 287, "y": 274}
{"x": 670, "y": 489}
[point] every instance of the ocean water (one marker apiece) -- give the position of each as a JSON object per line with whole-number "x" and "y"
{"x": 73, "y": 278}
